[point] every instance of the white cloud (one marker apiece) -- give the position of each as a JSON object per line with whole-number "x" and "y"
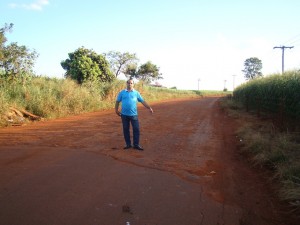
{"x": 36, "y": 5}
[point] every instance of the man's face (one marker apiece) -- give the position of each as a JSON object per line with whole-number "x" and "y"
{"x": 129, "y": 84}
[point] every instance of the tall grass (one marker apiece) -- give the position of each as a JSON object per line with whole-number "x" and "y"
{"x": 273, "y": 93}
{"x": 52, "y": 98}
{"x": 271, "y": 148}
{"x": 156, "y": 93}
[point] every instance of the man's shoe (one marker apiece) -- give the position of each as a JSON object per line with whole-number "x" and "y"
{"x": 127, "y": 147}
{"x": 138, "y": 147}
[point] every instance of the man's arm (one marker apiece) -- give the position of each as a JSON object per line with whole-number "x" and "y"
{"x": 117, "y": 108}
{"x": 147, "y": 106}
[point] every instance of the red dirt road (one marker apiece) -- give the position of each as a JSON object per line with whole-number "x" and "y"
{"x": 74, "y": 171}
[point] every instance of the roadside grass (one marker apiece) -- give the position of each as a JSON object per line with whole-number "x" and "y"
{"x": 157, "y": 93}
{"x": 270, "y": 148}
{"x": 51, "y": 98}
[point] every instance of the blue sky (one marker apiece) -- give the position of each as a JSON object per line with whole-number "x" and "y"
{"x": 189, "y": 40}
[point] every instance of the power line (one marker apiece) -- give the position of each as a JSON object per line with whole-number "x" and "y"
{"x": 293, "y": 40}
{"x": 282, "y": 48}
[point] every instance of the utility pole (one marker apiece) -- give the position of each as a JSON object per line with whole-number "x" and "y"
{"x": 198, "y": 84}
{"x": 282, "y": 48}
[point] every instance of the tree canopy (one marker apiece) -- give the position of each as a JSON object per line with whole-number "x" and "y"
{"x": 16, "y": 61}
{"x": 3, "y": 39}
{"x": 82, "y": 65}
{"x": 253, "y": 68}
{"x": 147, "y": 72}
{"x": 86, "y": 65}
{"x": 119, "y": 61}
{"x": 130, "y": 71}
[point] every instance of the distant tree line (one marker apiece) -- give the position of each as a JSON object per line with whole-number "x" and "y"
{"x": 82, "y": 65}
{"x": 85, "y": 65}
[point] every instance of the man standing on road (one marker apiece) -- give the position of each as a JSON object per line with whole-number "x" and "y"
{"x": 129, "y": 98}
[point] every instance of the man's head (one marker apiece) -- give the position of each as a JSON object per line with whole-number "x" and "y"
{"x": 130, "y": 84}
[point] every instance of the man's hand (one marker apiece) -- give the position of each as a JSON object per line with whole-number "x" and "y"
{"x": 147, "y": 106}
{"x": 117, "y": 108}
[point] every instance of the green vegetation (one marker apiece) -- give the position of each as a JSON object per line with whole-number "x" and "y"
{"x": 252, "y": 68}
{"x": 121, "y": 62}
{"x": 158, "y": 93}
{"x": 127, "y": 64}
{"x": 147, "y": 72}
{"x": 16, "y": 62}
{"x": 53, "y": 98}
{"x": 277, "y": 151}
{"x": 261, "y": 138}
{"x": 278, "y": 94}
{"x": 90, "y": 83}
{"x": 85, "y": 65}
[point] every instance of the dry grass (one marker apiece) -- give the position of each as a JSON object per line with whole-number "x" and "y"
{"x": 272, "y": 149}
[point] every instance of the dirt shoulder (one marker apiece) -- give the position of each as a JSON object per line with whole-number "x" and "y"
{"x": 75, "y": 171}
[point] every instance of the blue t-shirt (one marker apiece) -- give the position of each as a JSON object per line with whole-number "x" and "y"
{"x": 129, "y": 101}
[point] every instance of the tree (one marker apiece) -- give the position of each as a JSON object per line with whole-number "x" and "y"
{"x": 253, "y": 68}
{"x": 86, "y": 65}
{"x": 119, "y": 61}
{"x": 16, "y": 61}
{"x": 130, "y": 71}
{"x": 148, "y": 72}
{"x": 3, "y": 39}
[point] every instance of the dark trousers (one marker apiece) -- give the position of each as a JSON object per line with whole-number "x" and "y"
{"x": 126, "y": 120}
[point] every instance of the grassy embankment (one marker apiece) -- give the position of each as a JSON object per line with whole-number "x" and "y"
{"x": 268, "y": 111}
{"x": 51, "y": 98}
